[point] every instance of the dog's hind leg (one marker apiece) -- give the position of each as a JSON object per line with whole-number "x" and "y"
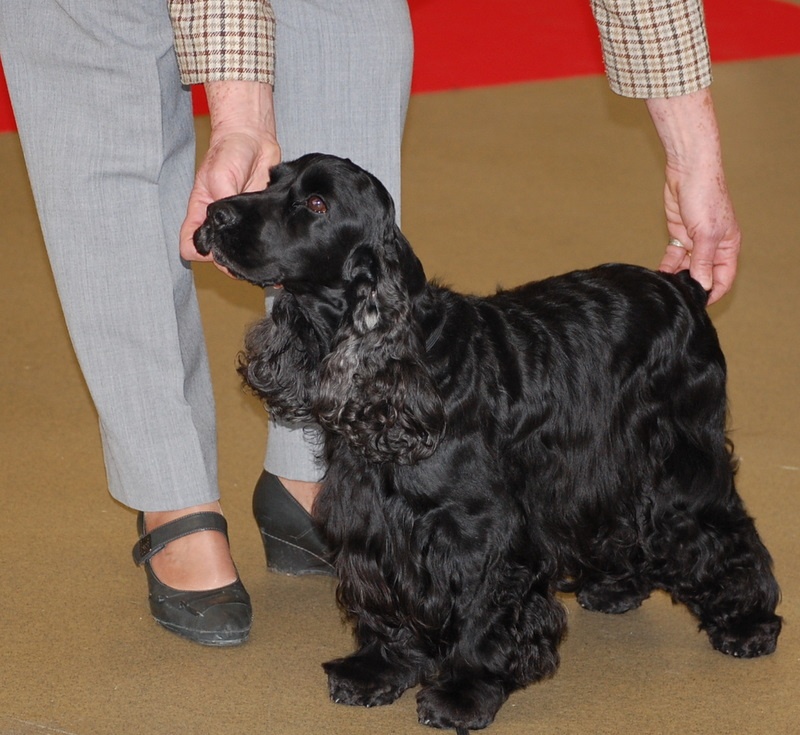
{"x": 608, "y": 573}
{"x": 701, "y": 544}
{"x": 612, "y": 594}
{"x": 730, "y": 586}
{"x": 707, "y": 554}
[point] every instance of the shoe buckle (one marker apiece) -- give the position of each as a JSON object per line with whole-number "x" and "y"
{"x": 145, "y": 546}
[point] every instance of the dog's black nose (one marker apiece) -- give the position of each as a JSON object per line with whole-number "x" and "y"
{"x": 223, "y": 214}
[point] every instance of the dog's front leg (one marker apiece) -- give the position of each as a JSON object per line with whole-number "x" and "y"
{"x": 467, "y": 701}
{"x": 508, "y": 638}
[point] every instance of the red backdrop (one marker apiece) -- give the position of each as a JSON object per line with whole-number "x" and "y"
{"x": 460, "y": 44}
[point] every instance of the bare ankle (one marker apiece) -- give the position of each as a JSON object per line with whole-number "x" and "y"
{"x": 154, "y": 519}
{"x": 198, "y": 561}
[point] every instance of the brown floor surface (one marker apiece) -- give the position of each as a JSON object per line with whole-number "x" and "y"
{"x": 501, "y": 186}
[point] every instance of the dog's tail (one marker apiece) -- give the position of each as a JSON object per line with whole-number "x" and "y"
{"x": 698, "y": 294}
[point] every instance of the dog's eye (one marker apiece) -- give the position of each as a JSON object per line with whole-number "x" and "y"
{"x": 317, "y": 204}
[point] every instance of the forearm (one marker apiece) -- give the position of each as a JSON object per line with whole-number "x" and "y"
{"x": 697, "y": 204}
{"x": 687, "y": 127}
{"x": 236, "y": 106}
{"x": 229, "y": 46}
{"x": 657, "y": 50}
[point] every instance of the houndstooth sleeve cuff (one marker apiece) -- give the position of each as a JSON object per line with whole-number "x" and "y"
{"x": 224, "y": 40}
{"x": 654, "y": 48}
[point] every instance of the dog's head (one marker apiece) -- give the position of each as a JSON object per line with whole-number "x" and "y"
{"x": 301, "y": 231}
{"x": 342, "y": 346}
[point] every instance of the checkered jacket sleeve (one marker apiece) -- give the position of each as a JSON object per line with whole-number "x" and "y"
{"x": 654, "y": 48}
{"x": 224, "y": 40}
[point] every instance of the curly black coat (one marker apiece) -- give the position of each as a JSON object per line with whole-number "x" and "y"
{"x": 484, "y": 452}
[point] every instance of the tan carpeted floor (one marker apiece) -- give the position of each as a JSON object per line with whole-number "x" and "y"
{"x": 501, "y": 186}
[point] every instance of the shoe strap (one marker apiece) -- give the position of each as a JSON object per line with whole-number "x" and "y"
{"x": 151, "y": 543}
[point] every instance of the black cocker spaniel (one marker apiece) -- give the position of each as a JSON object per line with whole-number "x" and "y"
{"x": 484, "y": 453}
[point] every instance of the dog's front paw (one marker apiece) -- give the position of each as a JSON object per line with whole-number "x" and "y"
{"x": 460, "y": 703}
{"x": 366, "y": 681}
{"x": 746, "y": 638}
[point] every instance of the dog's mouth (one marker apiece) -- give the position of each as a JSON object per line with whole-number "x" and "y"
{"x": 237, "y": 271}
{"x": 229, "y": 268}
{"x": 208, "y": 240}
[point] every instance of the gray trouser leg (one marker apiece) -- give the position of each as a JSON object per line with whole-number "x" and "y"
{"x": 108, "y": 139}
{"x": 343, "y": 74}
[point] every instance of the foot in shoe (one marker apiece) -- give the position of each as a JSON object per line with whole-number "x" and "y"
{"x": 199, "y": 561}
{"x": 209, "y": 609}
{"x": 292, "y": 543}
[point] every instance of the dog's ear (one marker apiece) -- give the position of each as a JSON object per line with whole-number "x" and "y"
{"x": 376, "y": 390}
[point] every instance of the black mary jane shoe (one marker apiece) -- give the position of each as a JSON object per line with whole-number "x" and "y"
{"x": 218, "y": 617}
{"x": 292, "y": 543}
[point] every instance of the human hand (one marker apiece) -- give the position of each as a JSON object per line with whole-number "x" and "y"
{"x": 242, "y": 149}
{"x": 697, "y": 204}
{"x": 700, "y": 217}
